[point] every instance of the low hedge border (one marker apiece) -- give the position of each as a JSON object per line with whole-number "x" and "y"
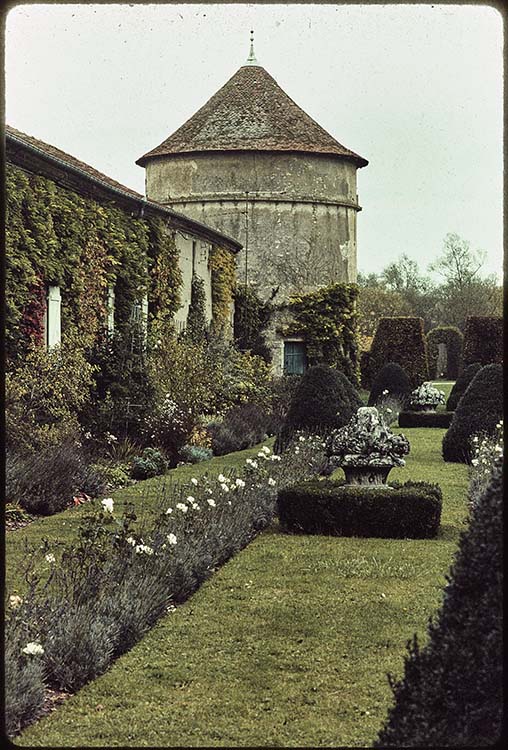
{"x": 425, "y": 418}
{"x": 397, "y": 511}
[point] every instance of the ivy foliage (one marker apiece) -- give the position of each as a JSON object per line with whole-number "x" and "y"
{"x": 222, "y": 264}
{"x": 54, "y": 236}
{"x": 252, "y": 317}
{"x": 196, "y": 317}
{"x": 327, "y": 320}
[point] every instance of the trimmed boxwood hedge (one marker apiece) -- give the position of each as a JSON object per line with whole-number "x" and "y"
{"x": 393, "y": 379}
{"x": 425, "y": 418}
{"x": 408, "y": 511}
{"x": 451, "y": 694}
{"x": 324, "y": 400}
{"x": 479, "y": 411}
{"x": 461, "y": 384}
{"x": 453, "y": 339}
{"x": 483, "y": 340}
{"x": 401, "y": 340}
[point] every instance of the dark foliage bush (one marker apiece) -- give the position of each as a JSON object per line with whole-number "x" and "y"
{"x": 151, "y": 463}
{"x": 365, "y": 376}
{"x": 45, "y": 482}
{"x": 393, "y": 379}
{"x": 123, "y": 394}
{"x": 461, "y": 384}
{"x": 479, "y": 410}
{"x": 453, "y": 339}
{"x": 323, "y": 401}
{"x": 242, "y": 427}
{"x": 400, "y": 340}
{"x": 425, "y": 419}
{"x": 483, "y": 340}
{"x": 411, "y": 510}
{"x": 282, "y": 391}
{"x": 451, "y": 694}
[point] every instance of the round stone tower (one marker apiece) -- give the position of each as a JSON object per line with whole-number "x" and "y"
{"x": 252, "y": 164}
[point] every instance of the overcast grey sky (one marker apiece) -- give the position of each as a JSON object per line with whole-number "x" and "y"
{"x": 415, "y": 89}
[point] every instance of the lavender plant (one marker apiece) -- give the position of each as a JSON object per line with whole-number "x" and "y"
{"x": 89, "y": 602}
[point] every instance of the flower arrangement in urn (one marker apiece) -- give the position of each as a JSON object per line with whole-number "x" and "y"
{"x": 365, "y": 448}
{"x": 425, "y": 398}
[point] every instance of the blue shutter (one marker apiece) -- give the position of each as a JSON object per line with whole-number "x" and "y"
{"x": 295, "y": 361}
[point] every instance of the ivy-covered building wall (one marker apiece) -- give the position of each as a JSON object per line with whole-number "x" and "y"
{"x": 96, "y": 252}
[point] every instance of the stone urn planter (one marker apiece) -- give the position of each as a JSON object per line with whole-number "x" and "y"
{"x": 366, "y": 449}
{"x": 425, "y": 398}
{"x": 374, "y": 476}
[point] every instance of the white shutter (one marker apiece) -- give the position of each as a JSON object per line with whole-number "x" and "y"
{"x": 53, "y": 319}
{"x": 111, "y": 309}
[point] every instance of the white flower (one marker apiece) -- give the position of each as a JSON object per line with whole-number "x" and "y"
{"x": 225, "y": 487}
{"x": 169, "y": 510}
{"x": 189, "y": 500}
{"x": 143, "y": 549}
{"x": 107, "y": 504}
{"x": 301, "y": 439}
{"x": 475, "y": 462}
{"x": 194, "y": 480}
{"x": 266, "y": 449}
{"x": 222, "y": 478}
{"x": 130, "y": 540}
{"x": 50, "y": 558}
{"x": 196, "y": 506}
{"x": 271, "y": 481}
{"x": 385, "y": 392}
{"x": 88, "y": 435}
{"x": 389, "y": 411}
{"x": 211, "y": 502}
{"x": 171, "y": 538}
{"x": 262, "y": 454}
{"x": 275, "y": 458}
{"x": 15, "y": 601}
{"x": 33, "y": 649}
{"x": 251, "y": 462}
{"x": 239, "y": 482}
{"x": 182, "y": 507}
{"x": 229, "y": 502}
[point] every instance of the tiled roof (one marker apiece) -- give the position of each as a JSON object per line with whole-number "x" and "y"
{"x": 251, "y": 113}
{"x": 68, "y": 159}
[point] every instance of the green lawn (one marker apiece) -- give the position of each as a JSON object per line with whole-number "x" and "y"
{"x": 287, "y": 645}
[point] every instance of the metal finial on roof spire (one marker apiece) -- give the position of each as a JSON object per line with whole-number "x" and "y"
{"x": 251, "y": 60}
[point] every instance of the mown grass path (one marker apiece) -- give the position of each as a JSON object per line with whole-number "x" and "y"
{"x": 287, "y": 645}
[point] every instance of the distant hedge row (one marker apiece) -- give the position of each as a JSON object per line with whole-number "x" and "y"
{"x": 400, "y": 340}
{"x": 483, "y": 341}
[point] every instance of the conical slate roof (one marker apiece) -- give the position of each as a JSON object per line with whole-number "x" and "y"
{"x": 251, "y": 113}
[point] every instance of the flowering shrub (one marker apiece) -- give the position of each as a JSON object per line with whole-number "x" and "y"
{"x": 365, "y": 441}
{"x": 170, "y": 427}
{"x": 426, "y": 397}
{"x": 485, "y": 450}
{"x": 103, "y": 592}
